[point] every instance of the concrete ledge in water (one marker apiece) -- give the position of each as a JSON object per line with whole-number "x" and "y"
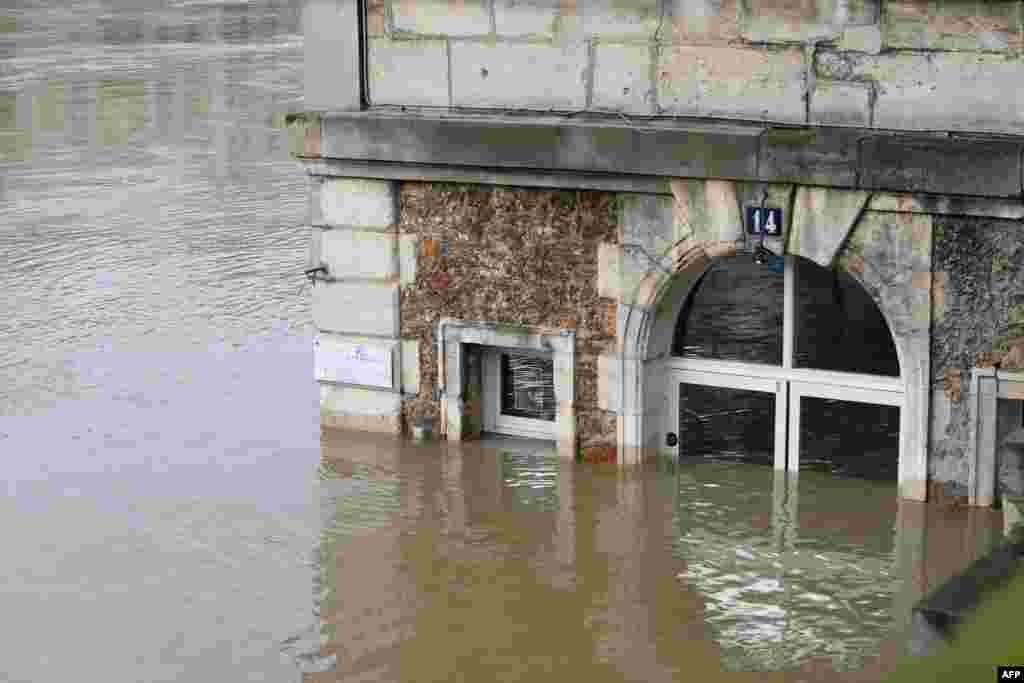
{"x": 936, "y": 617}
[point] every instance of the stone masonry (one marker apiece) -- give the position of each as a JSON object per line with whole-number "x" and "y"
{"x": 904, "y": 64}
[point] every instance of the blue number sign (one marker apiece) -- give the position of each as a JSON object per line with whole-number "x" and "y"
{"x": 764, "y": 220}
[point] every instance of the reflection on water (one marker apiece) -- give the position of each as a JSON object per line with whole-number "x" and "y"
{"x": 148, "y": 195}
{"x": 158, "y": 426}
{"x": 497, "y": 561}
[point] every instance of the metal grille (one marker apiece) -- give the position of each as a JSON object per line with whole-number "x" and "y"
{"x": 527, "y": 386}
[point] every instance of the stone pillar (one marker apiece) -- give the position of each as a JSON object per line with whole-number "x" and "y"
{"x": 355, "y": 304}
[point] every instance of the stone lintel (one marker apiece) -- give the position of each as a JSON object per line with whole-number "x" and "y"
{"x": 637, "y": 155}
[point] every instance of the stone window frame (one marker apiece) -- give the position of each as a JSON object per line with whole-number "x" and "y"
{"x": 988, "y": 385}
{"x": 454, "y": 334}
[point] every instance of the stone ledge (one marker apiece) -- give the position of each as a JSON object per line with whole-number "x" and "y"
{"x": 984, "y": 166}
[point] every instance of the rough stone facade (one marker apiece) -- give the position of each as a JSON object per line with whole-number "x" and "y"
{"x": 978, "y": 311}
{"x": 511, "y": 256}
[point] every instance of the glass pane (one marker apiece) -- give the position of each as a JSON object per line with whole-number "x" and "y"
{"x": 527, "y": 386}
{"x": 849, "y": 438}
{"x": 838, "y": 325}
{"x": 723, "y": 423}
{"x": 734, "y": 313}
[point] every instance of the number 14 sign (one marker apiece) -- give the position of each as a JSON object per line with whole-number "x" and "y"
{"x": 763, "y": 220}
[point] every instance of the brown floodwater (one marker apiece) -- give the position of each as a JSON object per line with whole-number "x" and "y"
{"x": 170, "y": 510}
{"x": 496, "y": 560}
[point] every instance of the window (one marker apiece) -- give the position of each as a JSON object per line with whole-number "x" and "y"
{"x": 519, "y": 393}
{"x": 796, "y": 368}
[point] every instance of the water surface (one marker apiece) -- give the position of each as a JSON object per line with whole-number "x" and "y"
{"x": 158, "y": 429}
{"x": 497, "y": 561}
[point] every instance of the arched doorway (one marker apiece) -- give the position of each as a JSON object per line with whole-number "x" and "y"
{"x": 797, "y": 369}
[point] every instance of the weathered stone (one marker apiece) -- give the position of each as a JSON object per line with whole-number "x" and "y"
{"x": 895, "y": 247}
{"x": 519, "y": 75}
{"x": 332, "y": 64}
{"x": 376, "y": 18}
{"x": 1014, "y": 359}
{"x": 407, "y": 259}
{"x": 939, "y": 281}
{"x": 941, "y": 165}
{"x": 696, "y": 149}
{"x": 442, "y": 17}
{"x": 800, "y": 21}
{"x": 841, "y": 104}
{"x": 608, "y": 19}
{"x": 989, "y": 359}
{"x": 822, "y": 219}
{"x": 356, "y": 308}
{"x": 609, "y": 271}
{"x": 952, "y": 25}
{"x": 732, "y": 82}
{"x": 525, "y": 17}
{"x": 607, "y": 382}
{"x": 702, "y": 21}
{"x": 647, "y": 221}
{"x": 622, "y": 78}
{"x": 951, "y": 205}
{"x": 303, "y": 134}
{"x": 952, "y": 383}
{"x": 408, "y": 72}
{"x": 358, "y": 254}
{"x": 410, "y": 367}
{"x": 346, "y": 407}
{"x": 954, "y": 91}
{"x": 706, "y": 211}
{"x": 356, "y": 203}
{"x": 862, "y": 39}
{"x": 814, "y": 156}
{"x": 637, "y": 264}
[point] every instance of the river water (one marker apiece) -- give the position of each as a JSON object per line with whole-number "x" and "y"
{"x": 171, "y": 512}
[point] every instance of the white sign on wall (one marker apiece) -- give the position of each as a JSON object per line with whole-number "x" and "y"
{"x": 353, "y": 363}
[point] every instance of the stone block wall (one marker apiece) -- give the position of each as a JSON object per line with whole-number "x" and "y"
{"x": 899, "y": 64}
{"x": 510, "y": 256}
{"x": 354, "y": 235}
{"x": 978, "y": 308}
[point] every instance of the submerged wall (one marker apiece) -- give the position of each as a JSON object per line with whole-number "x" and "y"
{"x": 511, "y": 256}
{"x": 980, "y": 307}
{"x": 615, "y": 267}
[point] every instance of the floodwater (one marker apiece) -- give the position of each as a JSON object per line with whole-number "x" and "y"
{"x": 496, "y": 560}
{"x": 170, "y": 510}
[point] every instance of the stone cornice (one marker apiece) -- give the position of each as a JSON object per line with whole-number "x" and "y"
{"x": 610, "y": 151}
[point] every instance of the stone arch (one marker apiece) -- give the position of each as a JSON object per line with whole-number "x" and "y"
{"x": 888, "y": 254}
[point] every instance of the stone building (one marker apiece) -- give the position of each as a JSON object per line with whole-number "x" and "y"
{"x": 515, "y": 206}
